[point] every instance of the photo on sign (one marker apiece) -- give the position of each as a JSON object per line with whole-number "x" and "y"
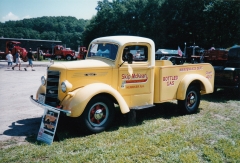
{"x": 50, "y": 116}
{"x": 50, "y": 120}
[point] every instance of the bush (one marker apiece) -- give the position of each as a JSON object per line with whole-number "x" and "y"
{"x": 40, "y": 58}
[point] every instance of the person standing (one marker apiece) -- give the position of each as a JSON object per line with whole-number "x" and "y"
{"x": 18, "y": 60}
{"x": 30, "y": 59}
{"x": 138, "y": 55}
{"x": 9, "y": 58}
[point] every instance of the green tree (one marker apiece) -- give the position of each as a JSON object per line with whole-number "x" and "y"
{"x": 67, "y": 29}
{"x": 169, "y": 23}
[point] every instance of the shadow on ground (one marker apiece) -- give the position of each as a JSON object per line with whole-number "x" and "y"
{"x": 25, "y": 127}
{"x": 222, "y": 95}
{"x": 67, "y": 127}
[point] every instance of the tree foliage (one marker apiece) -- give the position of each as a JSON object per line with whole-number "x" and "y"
{"x": 169, "y": 23}
{"x": 67, "y": 29}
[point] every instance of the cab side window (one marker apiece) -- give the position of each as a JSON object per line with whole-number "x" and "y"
{"x": 139, "y": 53}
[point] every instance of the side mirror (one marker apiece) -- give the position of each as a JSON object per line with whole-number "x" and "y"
{"x": 129, "y": 58}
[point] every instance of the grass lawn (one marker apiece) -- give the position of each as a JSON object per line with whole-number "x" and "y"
{"x": 162, "y": 134}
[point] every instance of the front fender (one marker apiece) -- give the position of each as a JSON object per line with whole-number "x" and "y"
{"x": 77, "y": 100}
{"x": 206, "y": 85}
{"x": 41, "y": 90}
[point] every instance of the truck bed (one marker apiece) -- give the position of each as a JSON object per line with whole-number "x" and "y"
{"x": 166, "y": 85}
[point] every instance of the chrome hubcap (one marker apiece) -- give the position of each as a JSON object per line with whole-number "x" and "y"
{"x": 192, "y": 100}
{"x": 98, "y": 114}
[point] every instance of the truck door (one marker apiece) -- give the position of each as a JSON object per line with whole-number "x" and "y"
{"x": 135, "y": 81}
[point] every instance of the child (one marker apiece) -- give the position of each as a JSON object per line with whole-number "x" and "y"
{"x": 9, "y": 58}
{"x": 18, "y": 60}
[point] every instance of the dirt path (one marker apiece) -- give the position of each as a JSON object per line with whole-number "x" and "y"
{"x": 19, "y": 117}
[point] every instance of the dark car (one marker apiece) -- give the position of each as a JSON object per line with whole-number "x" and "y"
{"x": 228, "y": 76}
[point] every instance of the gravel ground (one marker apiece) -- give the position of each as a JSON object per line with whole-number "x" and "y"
{"x": 19, "y": 117}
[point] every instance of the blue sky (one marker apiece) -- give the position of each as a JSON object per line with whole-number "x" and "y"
{"x": 20, "y": 9}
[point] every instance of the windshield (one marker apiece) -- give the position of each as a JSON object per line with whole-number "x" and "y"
{"x": 104, "y": 50}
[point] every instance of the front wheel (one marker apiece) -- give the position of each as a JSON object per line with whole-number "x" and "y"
{"x": 98, "y": 115}
{"x": 192, "y": 100}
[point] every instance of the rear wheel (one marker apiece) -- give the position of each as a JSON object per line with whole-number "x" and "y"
{"x": 98, "y": 115}
{"x": 69, "y": 58}
{"x": 192, "y": 100}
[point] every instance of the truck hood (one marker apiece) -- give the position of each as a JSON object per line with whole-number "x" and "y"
{"x": 82, "y": 64}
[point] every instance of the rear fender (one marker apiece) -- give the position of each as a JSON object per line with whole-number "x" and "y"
{"x": 77, "y": 100}
{"x": 205, "y": 85}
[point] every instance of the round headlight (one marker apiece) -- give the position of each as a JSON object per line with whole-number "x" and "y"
{"x": 64, "y": 87}
{"x": 43, "y": 80}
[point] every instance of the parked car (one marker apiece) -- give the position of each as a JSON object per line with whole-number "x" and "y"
{"x": 228, "y": 76}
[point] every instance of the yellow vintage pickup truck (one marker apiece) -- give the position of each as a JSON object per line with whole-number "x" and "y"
{"x": 114, "y": 74}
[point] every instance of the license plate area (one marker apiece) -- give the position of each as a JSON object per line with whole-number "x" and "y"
{"x": 41, "y": 98}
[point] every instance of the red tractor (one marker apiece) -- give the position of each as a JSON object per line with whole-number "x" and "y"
{"x": 13, "y": 46}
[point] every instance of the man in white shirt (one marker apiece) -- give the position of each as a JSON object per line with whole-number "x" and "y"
{"x": 9, "y": 59}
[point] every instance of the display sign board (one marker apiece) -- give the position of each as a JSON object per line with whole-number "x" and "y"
{"x": 48, "y": 126}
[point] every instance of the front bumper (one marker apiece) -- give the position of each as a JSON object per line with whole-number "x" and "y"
{"x": 44, "y": 106}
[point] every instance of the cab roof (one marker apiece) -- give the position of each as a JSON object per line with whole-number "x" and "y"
{"x": 121, "y": 40}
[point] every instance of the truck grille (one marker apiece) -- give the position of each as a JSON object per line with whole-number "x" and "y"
{"x": 52, "y": 88}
